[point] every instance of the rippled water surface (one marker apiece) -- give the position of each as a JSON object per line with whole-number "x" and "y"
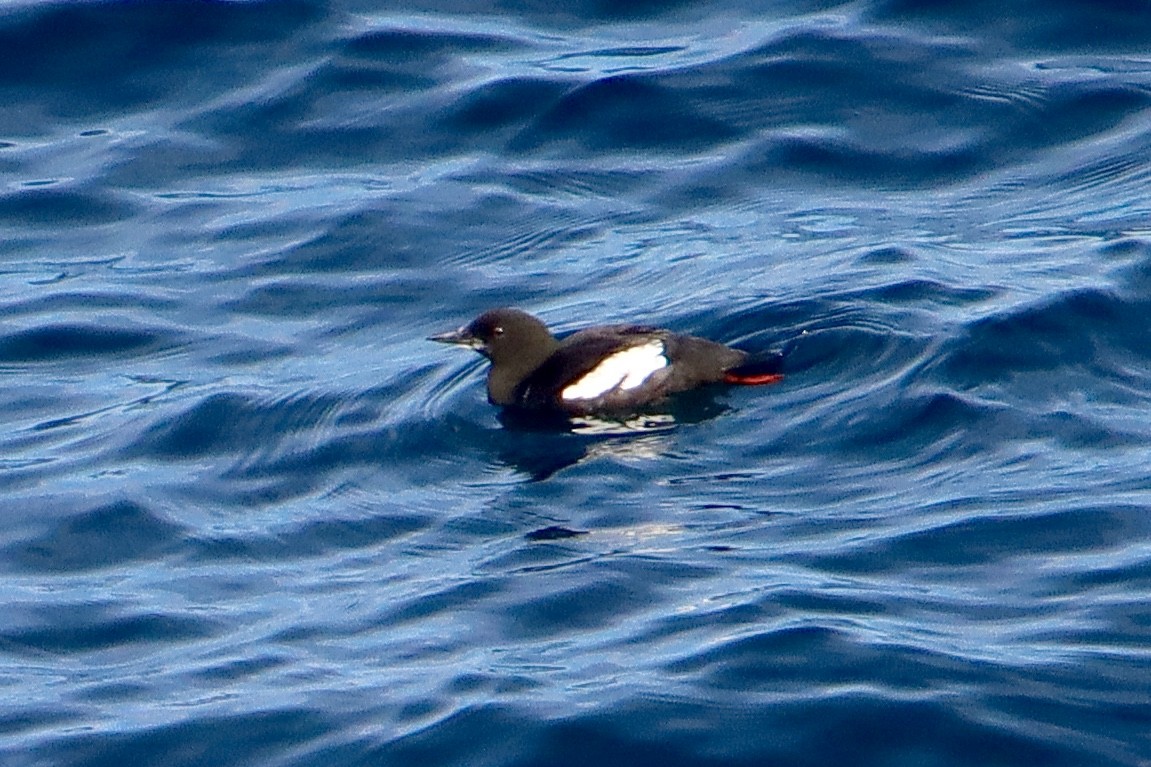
{"x": 249, "y": 516}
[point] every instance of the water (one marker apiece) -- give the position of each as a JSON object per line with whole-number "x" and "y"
{"x": 250, "y": 516}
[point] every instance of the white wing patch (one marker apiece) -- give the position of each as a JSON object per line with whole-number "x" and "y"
{"x": 625, "y": 369}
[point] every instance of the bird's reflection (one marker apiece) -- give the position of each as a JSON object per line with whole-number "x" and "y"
{"x": 541, "y": 445}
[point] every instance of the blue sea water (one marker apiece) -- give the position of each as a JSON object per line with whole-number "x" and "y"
{"x": 249, "y": 516}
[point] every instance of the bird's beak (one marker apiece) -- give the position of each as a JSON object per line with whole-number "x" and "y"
{"x": 461, "y": 337}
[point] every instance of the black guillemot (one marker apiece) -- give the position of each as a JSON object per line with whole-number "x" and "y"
{"x": 605, "y": 369}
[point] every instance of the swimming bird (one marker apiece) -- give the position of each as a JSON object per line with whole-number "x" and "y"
{"x": 600, "y": 370}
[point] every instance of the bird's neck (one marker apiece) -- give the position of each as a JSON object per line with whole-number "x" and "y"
{"x": 506, "y": 375}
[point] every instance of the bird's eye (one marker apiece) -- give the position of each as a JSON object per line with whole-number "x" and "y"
{"x": 498, "y": 330}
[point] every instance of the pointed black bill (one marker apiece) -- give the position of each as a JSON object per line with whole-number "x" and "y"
{"x": 461, "y": 337}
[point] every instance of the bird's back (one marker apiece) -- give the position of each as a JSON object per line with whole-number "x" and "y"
{"x": 621, "y": 368}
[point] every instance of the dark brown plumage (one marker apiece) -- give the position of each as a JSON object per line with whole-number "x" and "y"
{"x": 604, "y": 369}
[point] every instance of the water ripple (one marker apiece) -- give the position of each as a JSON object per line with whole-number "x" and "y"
{"x": 250, "y": 516}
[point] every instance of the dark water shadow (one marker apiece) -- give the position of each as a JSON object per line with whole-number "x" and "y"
{"x": 541, "y": 444}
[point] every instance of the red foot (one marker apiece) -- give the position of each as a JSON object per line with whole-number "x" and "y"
{"x": 752, "y": 380}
